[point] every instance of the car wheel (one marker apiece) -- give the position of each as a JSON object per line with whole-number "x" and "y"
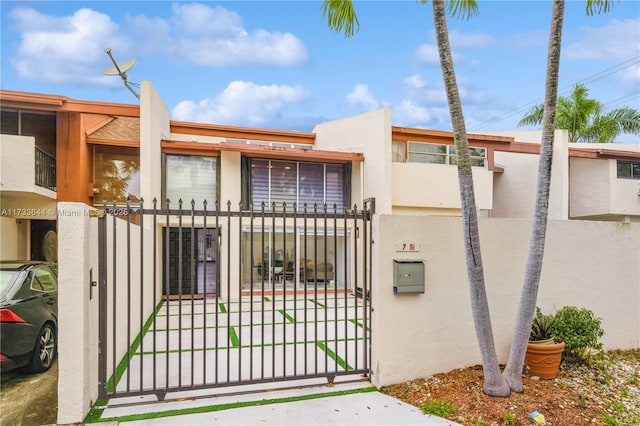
{"x": 44, "y": 352}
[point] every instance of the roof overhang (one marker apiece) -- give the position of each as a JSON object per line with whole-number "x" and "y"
{"x": 261, "y": 151}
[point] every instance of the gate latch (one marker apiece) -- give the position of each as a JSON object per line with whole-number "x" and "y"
{"x": 92, "y": 284}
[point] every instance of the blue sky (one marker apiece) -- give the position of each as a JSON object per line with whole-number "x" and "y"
{"x": 277, "y": 65}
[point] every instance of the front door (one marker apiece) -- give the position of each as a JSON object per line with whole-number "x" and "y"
{"x": 191, "y": 261}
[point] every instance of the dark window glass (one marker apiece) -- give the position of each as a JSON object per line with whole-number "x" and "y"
{"x": 260, "y": 184}
{"x": 297, "y": 182}
{"x": 9, "y": 122}
{"x": 311, "y": 185}
{"x": 284, "y": 182}
{"x": 624, "y": 169}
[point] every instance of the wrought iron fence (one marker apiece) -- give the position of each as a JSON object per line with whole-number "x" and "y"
{"x": 221, "y": 297}
{"x": 45, "y": 170}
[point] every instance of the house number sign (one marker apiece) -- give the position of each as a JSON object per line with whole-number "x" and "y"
{"x": 406, "y": 245}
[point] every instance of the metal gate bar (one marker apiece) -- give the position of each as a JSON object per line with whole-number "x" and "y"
{"x": 294, "y": 323}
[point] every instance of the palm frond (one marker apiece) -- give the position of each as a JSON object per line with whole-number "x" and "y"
{"x": 598, "y": 6}
{"x": 341, "y": 16}
{"x": 465, "y": 9}
{"x": 533, "y": 116}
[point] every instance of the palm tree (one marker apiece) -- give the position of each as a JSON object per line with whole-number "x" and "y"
{"x": 341, "y": 17}
{"x": 529, "y": 296}
{"x": 583, "y": 118}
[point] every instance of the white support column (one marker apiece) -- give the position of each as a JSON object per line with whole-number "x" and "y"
{"x": 77, "y": 312}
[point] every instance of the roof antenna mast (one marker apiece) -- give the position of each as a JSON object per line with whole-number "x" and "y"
{"x": 121, "y": 70}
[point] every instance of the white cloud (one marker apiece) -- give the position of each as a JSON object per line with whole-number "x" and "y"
{"x": 242, "y": 103}
{"x": 478, "y": 40}
{"x": 428, "y": 54}
{"x": 616, "y": 41}
{"x": 70, "y": 49}
{"x": 362, "y": 96}
{"x": 214, "y": 36}
{"x": 65, "y": 50}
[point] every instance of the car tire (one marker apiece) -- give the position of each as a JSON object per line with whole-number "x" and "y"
{"x": 44, "y": 352}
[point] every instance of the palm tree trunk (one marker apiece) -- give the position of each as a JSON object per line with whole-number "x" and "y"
{"x": 529, "y": 295}
{"x": 494, "y": 384}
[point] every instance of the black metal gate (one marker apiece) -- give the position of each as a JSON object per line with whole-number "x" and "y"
{"x": 193, "y": 299}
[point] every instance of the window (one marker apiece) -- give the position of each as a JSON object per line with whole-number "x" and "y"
{"x": 628, "y": 170}
{"x": 422, "y": 152}
{"x": 116, "y": 174}
{"x": 44, "y": 281}
{"x": 190, "y": 177}
{"x": 398, "y": 154}
{"x": 275, "y": 181}
{"x": 40, "y": 125}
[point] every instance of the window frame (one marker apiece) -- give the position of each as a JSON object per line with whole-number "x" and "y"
{"x": 186, "y": 204}
{"x": 449, "y": 156}
{"x": 634, "y": 169}
{"x": 248, "y": 186}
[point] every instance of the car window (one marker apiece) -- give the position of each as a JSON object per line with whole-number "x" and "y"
{"x": 44, "y": 280}
{"x": 6, "y": 280}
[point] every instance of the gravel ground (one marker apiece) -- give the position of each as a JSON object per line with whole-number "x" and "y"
{"x": 604, "y": 391}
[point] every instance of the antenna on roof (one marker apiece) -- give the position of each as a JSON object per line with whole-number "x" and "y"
{"x": 121, "y": 70}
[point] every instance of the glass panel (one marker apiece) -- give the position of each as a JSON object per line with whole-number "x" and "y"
{"x": 9, "y": 122}
{"x": 7, "y": 278}
{"x": 427, "y": 147}
{"x": 116, "y": 173}
{"x": 635, "y": 170}
{"x": 260, "y": 184}
{"x": 427, "y": 158}
{"x": 44, "y": 280}
{"x": 42, "y": 127}
{"x": 335, "y": 187}
{"x": 624, "y": 169}
{"x": 191, "y": 177}
{"x": 398, "y": 152}
{"x": 284, "y": 180}
{"x": 311, "y": 185}
{"x": 477, "y": 152}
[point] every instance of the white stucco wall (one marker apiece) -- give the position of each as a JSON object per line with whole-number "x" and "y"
{"x": 154, "y": 127}
{"x": 370, "y": 134}
{"x": 514, "y": 190}
{"x": 77, "y": 312}
{"x": 596, "y": 191}
{"x": 17, "y": 163}
{"x": 595, "y": 265}
{"x": 436, "y": 186}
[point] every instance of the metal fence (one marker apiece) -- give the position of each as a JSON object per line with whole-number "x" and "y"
{"x": 193, "y": 299}
{"x": 45, "y": 170}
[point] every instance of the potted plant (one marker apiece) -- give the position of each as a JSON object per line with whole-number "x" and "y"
{"x": 544, "y": 351}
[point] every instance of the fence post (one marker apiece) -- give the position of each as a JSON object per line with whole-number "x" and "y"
{"x": 77, "y": 312}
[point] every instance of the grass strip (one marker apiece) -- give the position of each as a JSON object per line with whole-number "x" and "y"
{"x": 358, "y": 323}
{"x": 122, "y": 365}
{"x": 341, "y": 362}
{"x": 233, "y": 336}
{"x": 222, "y": 308}
{"x": 317, "y": 303}
{"x": 222, "y": 407}
{"x": 264, "y": 345}
{"x": 287, "y": 316}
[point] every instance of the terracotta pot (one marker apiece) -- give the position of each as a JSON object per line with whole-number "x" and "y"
{"x": 543, "y": 359}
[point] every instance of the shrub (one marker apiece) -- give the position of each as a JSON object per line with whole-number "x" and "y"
{"x": 579, "y": 328}
{"x": 438, "y": 407}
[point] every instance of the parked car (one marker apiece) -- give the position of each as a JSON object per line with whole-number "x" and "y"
{"x": 28, "y": 315}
